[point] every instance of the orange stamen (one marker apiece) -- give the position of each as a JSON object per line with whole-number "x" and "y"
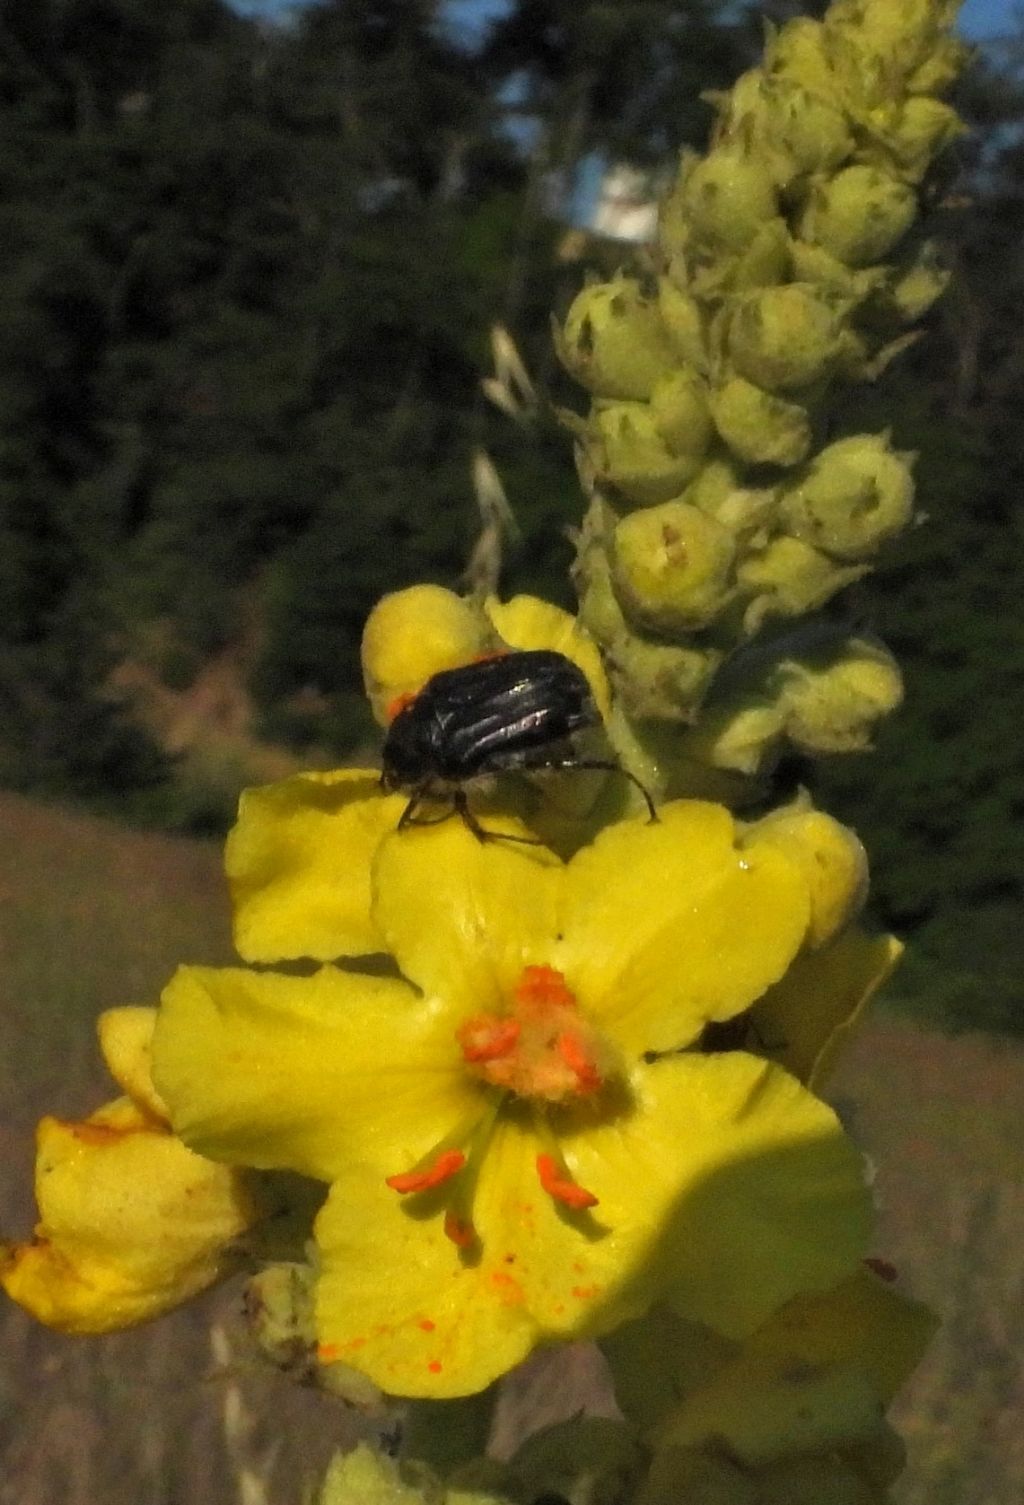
{"x": 543, "y": 986}
{"x": 486, "y": 1037}
{"x": 441, "y": 1169}
{"x": 561, "y": 1187}
{"x": 570, "y": 1048}
{"x": 459, "y": 1230}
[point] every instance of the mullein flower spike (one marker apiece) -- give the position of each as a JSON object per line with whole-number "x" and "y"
{"x": 784, "y": 269}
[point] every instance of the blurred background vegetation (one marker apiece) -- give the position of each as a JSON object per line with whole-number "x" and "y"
{"x": 248, "y": 275}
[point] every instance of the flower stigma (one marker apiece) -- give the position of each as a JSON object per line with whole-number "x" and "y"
{"x": 539, "y": 1051}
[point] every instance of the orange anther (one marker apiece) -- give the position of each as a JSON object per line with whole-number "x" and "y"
{"x": 459, "y": 1230}
{"x": 441, "y": 1169}
{"x": 570, "y": 1048}
{"x": 568, "y": 1192}
{"x": 486, "y": 1037}
{"x": 544, "y": 986}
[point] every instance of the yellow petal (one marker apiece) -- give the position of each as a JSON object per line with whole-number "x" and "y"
{"x": 528, "y": 622}
{"x": 298, "y": 865}
{"x": 751, "y": 1189}
{"x": 806, "y": 1018}
{"x": 131, "y": 1223}
{"x": 126, "y": 1040}
{"x": 398, "y": 1301}
{"x": 669, "y": 926}
{"x": 309, "y": 1074}
{"x": 463, "y": 917}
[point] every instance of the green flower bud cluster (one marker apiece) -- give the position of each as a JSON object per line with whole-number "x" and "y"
{"x": 787, "y": 265}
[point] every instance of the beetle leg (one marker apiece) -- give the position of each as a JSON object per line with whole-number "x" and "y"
{"x": 461, "y": 806}
{"x": 609, "y": 767}
{"x": 408, "y": 816}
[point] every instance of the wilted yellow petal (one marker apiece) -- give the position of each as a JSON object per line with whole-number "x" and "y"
{"x": 298, "y": 865}
{"x": 131, "y": 1223}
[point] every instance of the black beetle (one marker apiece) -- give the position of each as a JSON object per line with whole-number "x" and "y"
{"x": 514, "y": 711}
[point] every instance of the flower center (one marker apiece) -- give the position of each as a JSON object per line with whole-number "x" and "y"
{"x": 538, "y": 1049}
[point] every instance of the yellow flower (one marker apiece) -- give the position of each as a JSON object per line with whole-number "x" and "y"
{"x": 413, "y": 634}
{"x": 513, "y": 1158}
{"x": 131, "y": 1222}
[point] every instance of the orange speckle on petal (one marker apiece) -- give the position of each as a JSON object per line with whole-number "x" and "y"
{"x": 441, "y": 1169}
{"x": 586, "y": 1293}
{"x": 97, "y": 1134}
{"x": 327, "y": 1352}
{"x": 508, "y": 1288}
{"x": 426, "y": 1325}
{"x": 434, "y": 1366}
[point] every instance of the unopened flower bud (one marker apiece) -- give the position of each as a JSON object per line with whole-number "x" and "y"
{"x": 832, "y": 859}
{"x": 856, "y": 494}
{"x": 810, "y": 129}
{"x": 790, "y": 577}
{"x": 904, "y": 34}
{"x": 727, "y": 196}
{"x": 762, "y": 263}
{"x": 679, "y": 407}
{"x": 660, "y": 681}
{"x": 859, "y": 215}
{"x": 831, "y": 705}
{"x": 744, "y": 510}
{"x": 671, "y": 567}
{"x": 413, "y": 634}
{"x": 815, "y": 265}
{"x": 613, "y": 341}
{"x": 914, "y": 132}
{"x": 684, "y": 322}
{"x": 785, "y": 338}
{"x": 740, "y": 735}
{"x": 798, "y": 53}
{"x": 917, "y": 288}
{"x": 758, "y": 426}
{"x": 940, "y": 68}
{"x": 626, "y": 451}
